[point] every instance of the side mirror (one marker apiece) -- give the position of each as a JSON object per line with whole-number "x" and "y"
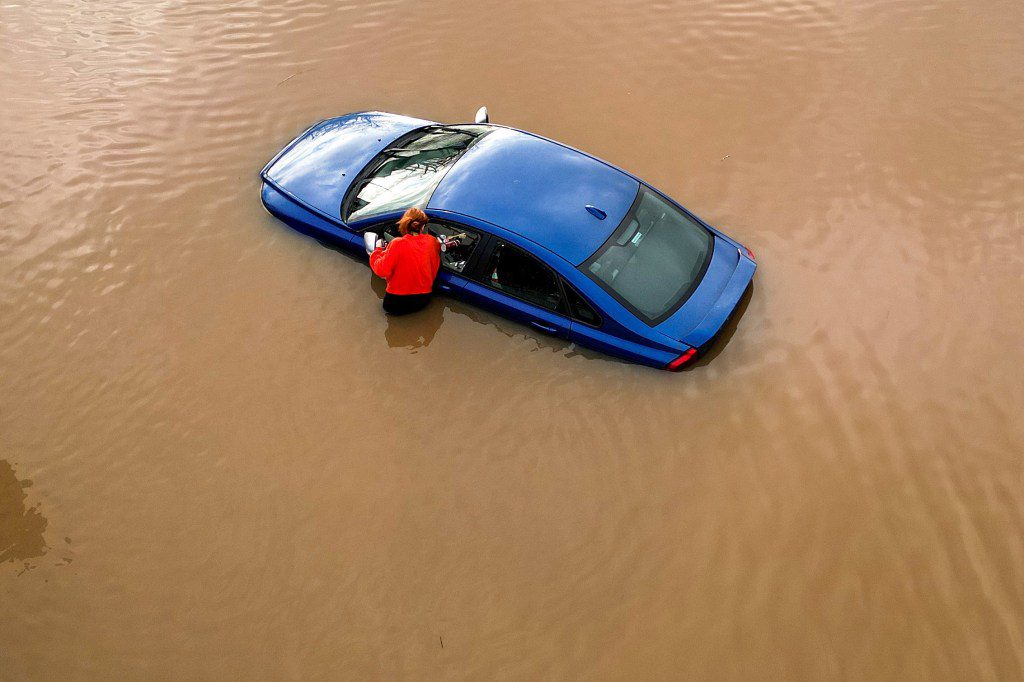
{"x": 370, "y": 242}
{"x": 481, "y": 115}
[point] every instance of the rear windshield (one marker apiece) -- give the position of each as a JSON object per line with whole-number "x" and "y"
{"x": 406, "y": 174}
{"x": 654, "y": 259}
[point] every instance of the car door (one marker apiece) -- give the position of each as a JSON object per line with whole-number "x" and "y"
{"x": 458, "y": 256}
{"x": 517, "y": 285}
{"x": 589, "y": 329}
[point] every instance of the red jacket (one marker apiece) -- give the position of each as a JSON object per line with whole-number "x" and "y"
{"x": 409, "y": 264}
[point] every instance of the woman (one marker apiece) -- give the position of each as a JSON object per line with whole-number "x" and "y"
{"x": 409, "y": 264}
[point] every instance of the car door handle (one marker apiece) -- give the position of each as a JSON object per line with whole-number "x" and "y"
{"x": 543, "y": 327}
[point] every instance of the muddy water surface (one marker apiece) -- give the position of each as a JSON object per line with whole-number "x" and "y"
{"x": 219, "y": 459}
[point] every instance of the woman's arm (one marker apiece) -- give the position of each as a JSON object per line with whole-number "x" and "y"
{"x": 382, "y": 260}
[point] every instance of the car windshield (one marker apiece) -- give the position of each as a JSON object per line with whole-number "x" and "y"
{"x": 653, "y": 260}
{"x": 404, "y": 176}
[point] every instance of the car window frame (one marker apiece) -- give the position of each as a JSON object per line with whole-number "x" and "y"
{"x": 474, "y": 258}
{"x": 471, "y": 262}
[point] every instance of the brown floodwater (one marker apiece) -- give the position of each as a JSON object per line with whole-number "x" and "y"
{"x": 218, "y": 459}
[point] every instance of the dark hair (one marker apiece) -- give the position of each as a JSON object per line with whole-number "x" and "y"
{"x": 413, "y": 221}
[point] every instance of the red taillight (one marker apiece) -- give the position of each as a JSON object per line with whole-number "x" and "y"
{"x": 681, "y": 361}
{"x": 750, "y": 254}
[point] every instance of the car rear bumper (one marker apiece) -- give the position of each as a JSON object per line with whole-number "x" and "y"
{"x": 718, "y": 315}
{"x": 709, "y": 344}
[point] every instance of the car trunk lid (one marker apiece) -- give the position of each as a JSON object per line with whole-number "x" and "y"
{"x": 708, "y": 308}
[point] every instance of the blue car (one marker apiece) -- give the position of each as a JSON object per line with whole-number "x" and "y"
{"x": 538, "y": 232}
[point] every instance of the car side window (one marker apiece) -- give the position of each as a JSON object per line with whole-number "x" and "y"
{"x": 579, "y": 308}
{"x": 457, "y": 244}
{"x": 519, "y": 274}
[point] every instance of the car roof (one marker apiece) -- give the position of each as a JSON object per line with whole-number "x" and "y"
{"x": 538, "y": 189}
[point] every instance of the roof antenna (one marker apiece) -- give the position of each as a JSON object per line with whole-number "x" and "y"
{"x": 596, "y": 212}
{"x": 482, "y": 116}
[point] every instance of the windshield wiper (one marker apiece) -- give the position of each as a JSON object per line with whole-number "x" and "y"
{"x": 408, "y": 153}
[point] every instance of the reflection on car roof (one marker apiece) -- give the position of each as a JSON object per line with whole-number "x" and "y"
{"x": 538, "y": 189}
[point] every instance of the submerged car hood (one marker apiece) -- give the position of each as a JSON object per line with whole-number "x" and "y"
{"x": 318, "y": 166}
{"x": 710, "y": 305}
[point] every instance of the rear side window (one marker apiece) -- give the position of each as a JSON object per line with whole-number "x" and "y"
{"x": 579, "y": 308}
{"x": 519, "y": 274}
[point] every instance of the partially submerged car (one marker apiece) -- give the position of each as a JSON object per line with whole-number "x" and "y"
{"x": 538, "y": 232}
